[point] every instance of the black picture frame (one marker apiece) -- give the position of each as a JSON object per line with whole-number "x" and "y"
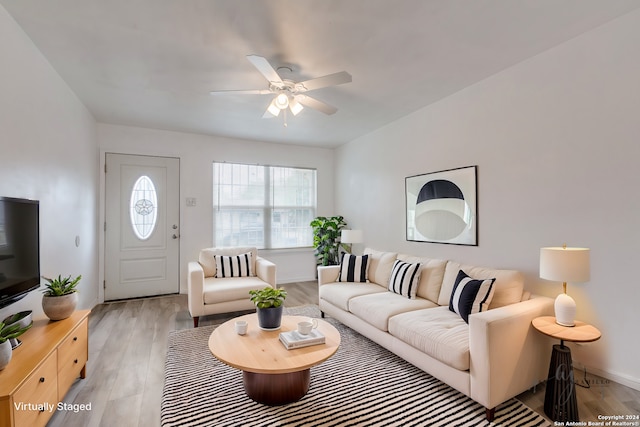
{"x": 442, "y": 207}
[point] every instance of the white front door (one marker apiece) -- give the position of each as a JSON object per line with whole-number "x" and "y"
{"x": 142, "y": 218}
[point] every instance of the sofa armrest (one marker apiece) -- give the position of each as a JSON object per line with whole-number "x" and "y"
{"x": 195, "y": 288}
{"x": 266, "y": 270}
{"x": 507, "y": 355}
{"x": 327, "y": 274}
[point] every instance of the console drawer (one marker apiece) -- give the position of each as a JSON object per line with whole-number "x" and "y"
{"x": 38, "y": 390}
{"x": 72, "y": 357}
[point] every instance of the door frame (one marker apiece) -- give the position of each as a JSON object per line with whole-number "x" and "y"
{"x": 101, "y": 210}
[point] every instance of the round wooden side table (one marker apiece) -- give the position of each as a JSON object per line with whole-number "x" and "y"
{"x": 560, "y": 403}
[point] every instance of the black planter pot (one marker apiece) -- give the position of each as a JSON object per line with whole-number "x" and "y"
{"x": 269, "y": 318}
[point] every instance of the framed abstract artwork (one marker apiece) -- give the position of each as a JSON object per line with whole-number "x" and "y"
{"x": 442, "y": 207}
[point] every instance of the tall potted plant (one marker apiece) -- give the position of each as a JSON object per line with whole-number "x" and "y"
{"x": 7, "y": 332}
{"x": 60, "y": 297}
{"x": 268, "y": 303}
{"x": 326, "y": 239}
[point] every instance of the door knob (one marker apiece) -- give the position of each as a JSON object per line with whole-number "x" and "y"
{"x": 174, "y": 237}
{"x": 175, "y": 227}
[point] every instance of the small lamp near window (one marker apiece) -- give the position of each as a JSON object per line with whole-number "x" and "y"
{"x": 350, "y": 237}
{"x": 565, "y": 265}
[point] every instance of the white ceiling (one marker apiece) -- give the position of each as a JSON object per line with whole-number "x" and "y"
{"x": 152, "y": 63}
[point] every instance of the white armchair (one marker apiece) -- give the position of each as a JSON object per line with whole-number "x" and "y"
{"x": 209, "y": 293}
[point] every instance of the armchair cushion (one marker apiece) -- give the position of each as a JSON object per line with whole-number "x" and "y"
{"x": 217, "y": 290}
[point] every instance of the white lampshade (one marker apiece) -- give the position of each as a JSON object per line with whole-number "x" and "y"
{"x": 564, "y": 264}
{"x": 351, "y": 236}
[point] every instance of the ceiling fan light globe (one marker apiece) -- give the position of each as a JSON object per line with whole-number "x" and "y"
{"x": 282, "y": 101}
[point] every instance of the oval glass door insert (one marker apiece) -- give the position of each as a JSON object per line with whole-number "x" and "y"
{"x": 143, "y": 207}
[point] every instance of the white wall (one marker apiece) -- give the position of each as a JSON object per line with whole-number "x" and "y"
{"x": 49, "y": 152}
{"x": 555, "y": 139}
{"x": 197, "y": 153}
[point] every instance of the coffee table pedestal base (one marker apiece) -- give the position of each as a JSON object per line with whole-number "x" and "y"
{"x": 276, "y": 389}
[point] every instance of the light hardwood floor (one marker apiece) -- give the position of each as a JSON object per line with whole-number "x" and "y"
{"x": 127, "y": 347}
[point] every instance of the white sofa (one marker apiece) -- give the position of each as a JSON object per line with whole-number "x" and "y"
{"x": 493, "y": 358}
{"x": 208, "y": 294}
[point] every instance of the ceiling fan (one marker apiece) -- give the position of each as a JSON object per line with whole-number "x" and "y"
{"x": 287, "y": 93}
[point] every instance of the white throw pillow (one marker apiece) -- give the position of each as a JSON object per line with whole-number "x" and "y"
{"x": 353, "y": 268}
{"x": 404, "y": 279}
{"x": 470, "y": 296}
{"x": 234, "y": 265}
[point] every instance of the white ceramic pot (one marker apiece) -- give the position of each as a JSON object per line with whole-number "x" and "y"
{"x": 58, "y": 308}
{"x": 5, "y": 354}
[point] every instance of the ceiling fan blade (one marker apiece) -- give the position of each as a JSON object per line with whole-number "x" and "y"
{"x": 265, "y": 69}
{"x": 241, "y": 92}
{"x": 310, "y": 102}
{"x": 328, "y": 80}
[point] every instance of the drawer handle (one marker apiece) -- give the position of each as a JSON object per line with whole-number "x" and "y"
{"x": 75, "y": 361}
{"x": 41, "y": 379}
{"x": 75, "y": 338}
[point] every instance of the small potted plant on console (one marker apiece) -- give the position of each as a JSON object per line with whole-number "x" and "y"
{"x": 268, "y": 303}
{"x": 7, "y": 333}
{"x": 60, "y": 297}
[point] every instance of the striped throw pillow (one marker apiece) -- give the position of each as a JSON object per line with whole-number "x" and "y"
{"x": 234, "y": 265}
{"x": 404, "y": 279}
{"x": 470, "y": 296}
{"x": 353, "y": 268}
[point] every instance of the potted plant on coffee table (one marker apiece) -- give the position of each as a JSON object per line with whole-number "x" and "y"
{"x": 60, "y": 297}
{"x": 268, "y": 303}
{"x": 8, "y": 332}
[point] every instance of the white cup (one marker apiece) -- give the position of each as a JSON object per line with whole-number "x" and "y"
{"x": 241, "y": 327}
{"x": 305, "y": 327}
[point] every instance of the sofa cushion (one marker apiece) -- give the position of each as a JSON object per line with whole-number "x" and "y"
{"x": 234, "y": 265}
{"x": 431, "y": 274}
{"x": 470, "y": 296}
{"x": 436, "y": 332}
{"x": 226, "y": 289}
{"x": 207, "y": 259}
{"x": 339, "y": 294}
{"x": 353, "y": 268}
{"x": 376, "y": 309}
{"x": 404, "y": 279}
{"x": 508, "y": 285}
{"x": 380, "y": 265}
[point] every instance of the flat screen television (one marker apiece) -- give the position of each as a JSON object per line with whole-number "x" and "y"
{"x": 19, "y": 248}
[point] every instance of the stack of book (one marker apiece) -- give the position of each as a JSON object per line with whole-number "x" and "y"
{"x": 294, "y": 339}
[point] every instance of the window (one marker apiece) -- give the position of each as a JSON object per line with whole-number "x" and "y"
{"x": 267, "y": 207}
{"x": 142, "y": 207}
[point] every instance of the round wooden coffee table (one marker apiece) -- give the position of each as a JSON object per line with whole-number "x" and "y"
{"x": 271, "y": 374}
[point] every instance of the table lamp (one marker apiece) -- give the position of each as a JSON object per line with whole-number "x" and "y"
{"x": 565, "y": 265}
{"x": 351, "y": 236}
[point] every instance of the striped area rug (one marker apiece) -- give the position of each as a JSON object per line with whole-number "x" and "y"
{"x": 363, "y": 384}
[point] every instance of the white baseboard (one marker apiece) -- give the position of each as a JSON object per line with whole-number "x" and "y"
{"x": 623, "y": 379}
{"x": 297, "y": 279}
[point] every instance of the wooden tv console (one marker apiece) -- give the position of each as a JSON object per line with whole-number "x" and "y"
{"x": 42, "y": 369}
